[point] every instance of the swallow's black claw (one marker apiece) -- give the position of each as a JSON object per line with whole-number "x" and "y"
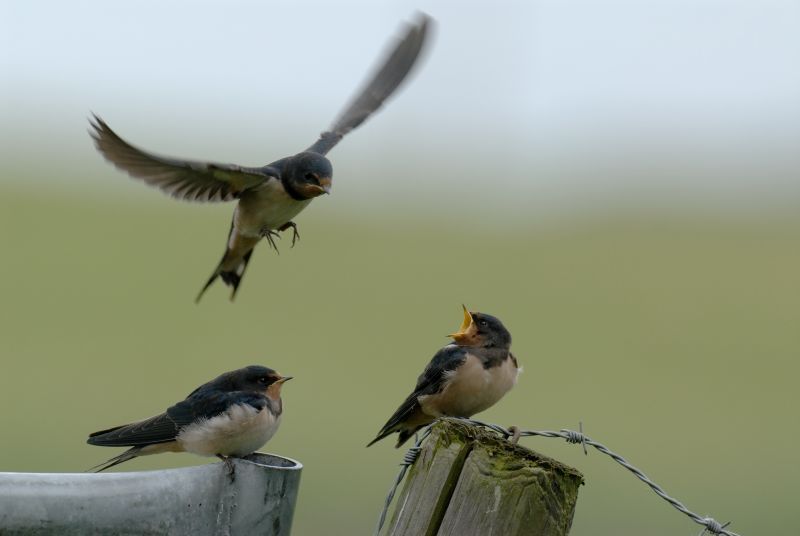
{"x": 285, "y": 186}
{"x": 293, "y": 226}
{"x": 482, "y": 340}
{"x": 251, "y": 390}
{"x": 230, "y": 466}
{"x": 270, "y": 235}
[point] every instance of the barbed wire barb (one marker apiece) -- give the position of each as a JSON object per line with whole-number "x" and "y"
{"x": 408, "y": 460}
{"x": 710, "y": 525}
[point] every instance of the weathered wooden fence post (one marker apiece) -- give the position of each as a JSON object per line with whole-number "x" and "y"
{"x": 199, "y": 500}
{"x": 468, "y": 481}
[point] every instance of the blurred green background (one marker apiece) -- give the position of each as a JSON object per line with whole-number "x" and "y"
{"x": 674, "y": 340}
{"x": 619, "y": 187}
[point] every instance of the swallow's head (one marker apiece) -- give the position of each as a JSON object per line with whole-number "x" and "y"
{"x": 478, "y": 329}
{"x": 258, "y": 379}
{"x": 308, "y": 175}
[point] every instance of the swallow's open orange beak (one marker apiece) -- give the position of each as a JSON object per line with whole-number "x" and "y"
{"x": 467, "y": 328}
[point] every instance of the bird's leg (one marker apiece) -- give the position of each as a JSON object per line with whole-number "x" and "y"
{"x": 515, "y": 433}
{"x": 270, "y": 235}
{"x": 230, "y": 466}
{"x": 293, "y": 226}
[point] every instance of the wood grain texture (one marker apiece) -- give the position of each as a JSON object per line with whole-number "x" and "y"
{"x": 468, "y": 481}
{"x": 431, "y": 480}
{"x": 507, "y": 492}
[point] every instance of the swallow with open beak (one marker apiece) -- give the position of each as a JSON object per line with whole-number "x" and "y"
{"x": 463, "y": 378}
{"x": 231, "y": 416}
{"x": 269, "y": 197}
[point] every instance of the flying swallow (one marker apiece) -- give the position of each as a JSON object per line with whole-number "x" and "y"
{"x": 231, "y": 416}
{"x": 463, "y": 378}
{"x": 269, "y": 197}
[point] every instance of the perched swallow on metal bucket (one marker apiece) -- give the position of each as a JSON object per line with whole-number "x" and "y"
{"x": 269, "y": 197}
{"x": 463, "y": 378}
{"x": 231, "y": 416}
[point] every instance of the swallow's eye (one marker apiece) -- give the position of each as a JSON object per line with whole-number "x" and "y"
{"x": 312, "y": 177}
{"x": 263, "y": 380}
{"x": 484, "y": 323}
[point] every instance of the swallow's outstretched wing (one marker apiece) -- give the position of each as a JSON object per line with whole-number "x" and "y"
{"x": 386, "y": 79}
{"x": 430, "y": 382}
{"x": 183, "y": 179}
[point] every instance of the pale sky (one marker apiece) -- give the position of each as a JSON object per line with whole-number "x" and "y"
{"x": 565, "y": 95}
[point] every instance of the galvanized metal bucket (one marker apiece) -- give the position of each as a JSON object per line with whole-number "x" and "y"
{"x": 192, "y": 500}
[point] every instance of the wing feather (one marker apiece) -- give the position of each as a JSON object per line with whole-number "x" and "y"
{"x": 385, "y": 80}
{"x": 431, "y": 381}
{"x": 183, "y": 179}
{"x": 158, "y": 429}
{"x": 168, "y": 425}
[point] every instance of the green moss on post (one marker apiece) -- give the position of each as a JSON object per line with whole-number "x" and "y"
{"x": 470, "y": 481}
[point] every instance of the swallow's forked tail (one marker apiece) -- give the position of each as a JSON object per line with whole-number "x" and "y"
{"x": 231, "y": 277}
{"x": 233, "y": 264}
{"x": 404, "y": 434}
{"x": 116, "y": 460}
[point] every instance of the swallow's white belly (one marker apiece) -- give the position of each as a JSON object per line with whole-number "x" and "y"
{"x": 268, "y": 207}
{"x": 239, "y": 431}
{"x": 471, "y": 389}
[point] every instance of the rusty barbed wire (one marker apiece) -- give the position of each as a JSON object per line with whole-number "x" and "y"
{"x": 709, "y": 524}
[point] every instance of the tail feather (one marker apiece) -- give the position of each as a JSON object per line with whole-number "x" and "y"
{"x": 232, "y": 275}
{"x": 211, "y": 279}
{"x": 116, "y": 460}
{"x": 380, "y": 436}
{"x": 232, "y": 278}
{"x": 404, "y": 433}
